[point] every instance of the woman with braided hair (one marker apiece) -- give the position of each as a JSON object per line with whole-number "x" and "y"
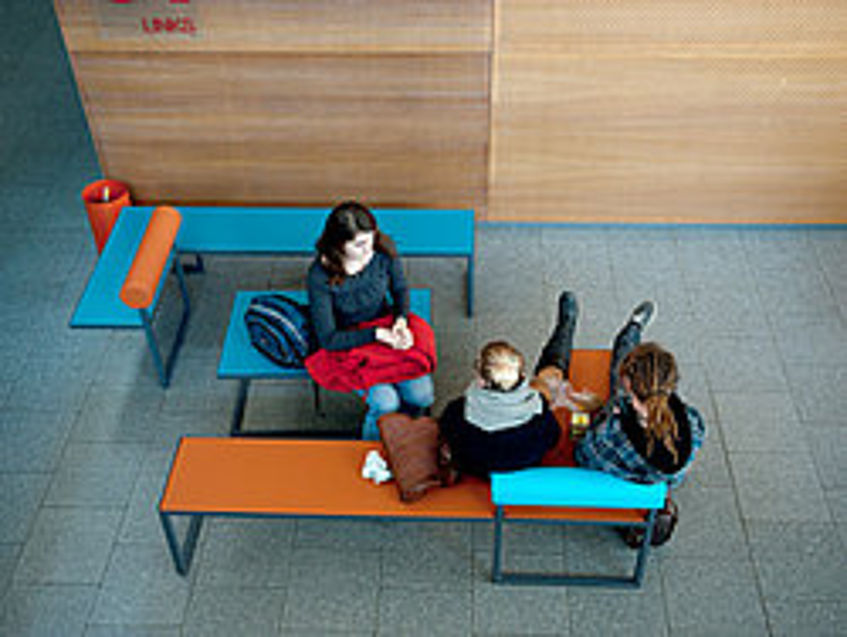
{"x": 645, "y": 432}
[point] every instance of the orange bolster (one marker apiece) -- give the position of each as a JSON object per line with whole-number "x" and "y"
{"x": 143, "y": 279}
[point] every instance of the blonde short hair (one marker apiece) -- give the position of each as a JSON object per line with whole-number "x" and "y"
{"x": 500, "y": 366}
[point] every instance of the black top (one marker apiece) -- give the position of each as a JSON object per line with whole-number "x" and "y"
{"x": 661, "y": 458}
{"x": 362, "y": 297}
{"x": 480, "y": 452}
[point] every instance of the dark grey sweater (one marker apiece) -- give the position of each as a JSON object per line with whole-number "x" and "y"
{"x": 335, "y": 309}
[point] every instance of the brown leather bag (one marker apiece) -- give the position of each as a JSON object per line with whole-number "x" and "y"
{"x": 416, "y": 454}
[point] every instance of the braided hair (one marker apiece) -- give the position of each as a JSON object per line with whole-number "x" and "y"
{"x": 652, "y": 374}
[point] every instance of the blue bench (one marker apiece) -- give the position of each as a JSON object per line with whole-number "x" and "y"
{"x": 241, "y": 361}
{"x": 248, "y": 231}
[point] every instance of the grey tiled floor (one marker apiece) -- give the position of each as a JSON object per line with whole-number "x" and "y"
{"x": 757, "y": 316}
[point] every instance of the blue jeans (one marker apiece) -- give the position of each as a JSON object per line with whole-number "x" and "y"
{"x": 409, "y": 396}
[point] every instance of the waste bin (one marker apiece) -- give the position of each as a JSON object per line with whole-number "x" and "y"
{"x": 104, "y": 200}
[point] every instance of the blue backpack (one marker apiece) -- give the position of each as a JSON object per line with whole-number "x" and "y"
{"x": 280, "y": 329}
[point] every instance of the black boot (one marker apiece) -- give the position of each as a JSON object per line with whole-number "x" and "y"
{"x": 557, "y": 351}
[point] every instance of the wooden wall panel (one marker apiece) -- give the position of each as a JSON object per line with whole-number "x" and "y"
{"x": 669, "y": 111}
{"x": 292, "y": 102}
{"x": 633, "y": 110}
{"x": 286, "y": 26}
{"x": 397, "y": 129}
{"x": 691, "y": 27}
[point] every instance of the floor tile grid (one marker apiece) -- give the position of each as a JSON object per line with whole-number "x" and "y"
{"x": 670, "y": 566}
{"x": 803, "y": 258}
{"x": 135, "y": 545}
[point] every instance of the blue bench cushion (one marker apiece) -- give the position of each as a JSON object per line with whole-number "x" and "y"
{"x": 573, "y": 487}
{"x": 239, "y": 359}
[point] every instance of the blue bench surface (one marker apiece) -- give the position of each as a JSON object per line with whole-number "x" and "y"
{"x": 573, "y": 487}
{"x": 100, "y": 304}
{"x": 246, "y": 230}
{"x": 295, "y": 230}
{"x": 239, "y": 359}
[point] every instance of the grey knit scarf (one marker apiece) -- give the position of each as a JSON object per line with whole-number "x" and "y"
{"x": 493, "y": 410}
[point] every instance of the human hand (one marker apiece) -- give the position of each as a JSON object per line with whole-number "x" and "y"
{"x": 402, "y": 334}
{"x": 386, "y": 337}
{"x": 562, "y": 396}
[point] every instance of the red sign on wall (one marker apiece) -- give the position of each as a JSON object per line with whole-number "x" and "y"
{"x": 147, "y": 18}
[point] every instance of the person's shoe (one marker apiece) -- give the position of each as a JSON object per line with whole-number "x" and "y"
{"x": 567, "y": 308}
{"x": 643, "y": 314}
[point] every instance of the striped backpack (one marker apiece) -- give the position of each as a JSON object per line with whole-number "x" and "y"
{"x": 279, "y": 327}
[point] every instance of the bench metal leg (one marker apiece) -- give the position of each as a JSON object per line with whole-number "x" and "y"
{"x": 568, "y": 579}
{"x": 198, "y": 267}
{"x": 470, "y": 287}
{"x": 240, "y": 406}
{"x": 164, "y": 365}
{"x": 496, "y": 568}
{"x": 317, "y": 392}
{"x": 182, "y": 552}
{"x": 153, "y": 343}
{"x": 319, "y": 434}
{"x": 641, "y": 559}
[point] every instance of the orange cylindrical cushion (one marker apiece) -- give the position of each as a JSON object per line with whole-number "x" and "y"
{"x": 143, "y": 279}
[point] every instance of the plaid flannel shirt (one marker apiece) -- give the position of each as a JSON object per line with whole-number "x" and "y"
{"x": 606, "y": 447}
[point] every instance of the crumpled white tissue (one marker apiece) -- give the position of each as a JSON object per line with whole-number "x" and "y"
{"x": 375, "y": 468}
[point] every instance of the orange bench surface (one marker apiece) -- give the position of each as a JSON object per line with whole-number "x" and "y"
{"x": 322, "y": 477}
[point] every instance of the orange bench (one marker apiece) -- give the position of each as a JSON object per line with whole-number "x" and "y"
{"x": 320, "y": 478}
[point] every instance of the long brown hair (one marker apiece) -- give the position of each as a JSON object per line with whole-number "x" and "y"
{"x": 345, "y": 221}
{"x": 652, "y": 374}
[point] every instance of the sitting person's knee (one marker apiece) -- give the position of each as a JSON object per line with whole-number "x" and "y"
{"x": 384, "y": 399}
{"x": 419, "y": 392}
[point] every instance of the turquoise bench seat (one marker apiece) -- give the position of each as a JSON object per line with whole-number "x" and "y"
{"x": 571, "y": 489}
{"x": 100, "y": 304}
{"x": 258, "y": 231}
{"x": 241, "y": 361}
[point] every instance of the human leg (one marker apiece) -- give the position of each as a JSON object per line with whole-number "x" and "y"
{"x": 627, "y": 338}
{"x": 416, "y": 394}
{"x": 557, "y": 350}
{"x": 381, "y": 399}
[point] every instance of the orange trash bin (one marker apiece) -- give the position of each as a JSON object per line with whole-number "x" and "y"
{"x": 104, "y": 200}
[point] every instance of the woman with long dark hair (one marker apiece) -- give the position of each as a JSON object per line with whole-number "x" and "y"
{"x": 357, "y": 277}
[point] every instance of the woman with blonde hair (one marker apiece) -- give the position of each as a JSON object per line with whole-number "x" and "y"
{"x": 502, "y": 422}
